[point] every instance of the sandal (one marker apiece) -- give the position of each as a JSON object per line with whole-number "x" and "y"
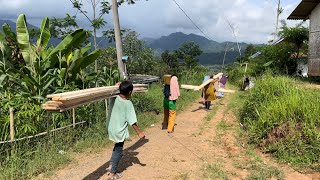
{"x": 108, "y": 170}
{"x": 116, "y": 176}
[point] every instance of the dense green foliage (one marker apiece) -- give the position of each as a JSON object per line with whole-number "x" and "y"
{"x": 183, "y": 58}
{"x": 283, "y": 119}
{"x": 280, "y": 58}
{"x": 280, "y": 116}
{"x": 30, "y": 69}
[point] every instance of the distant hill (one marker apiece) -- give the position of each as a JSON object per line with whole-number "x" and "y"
{"x": 213, "y": 51}
{"x": 175, "y": 40}
{"x": 13, "y": 24}
{"x": 102, "y": 42}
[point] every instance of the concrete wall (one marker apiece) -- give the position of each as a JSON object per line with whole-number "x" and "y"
{"x": 314, "y": 43}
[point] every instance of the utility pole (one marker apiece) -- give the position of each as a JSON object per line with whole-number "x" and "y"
{"x": 277, "y": 23}
{"x": 118, "y": 38}
{"x": 93, "y": 2}
{"x": 235, "y": 36}
{"x": 224, "y": 57}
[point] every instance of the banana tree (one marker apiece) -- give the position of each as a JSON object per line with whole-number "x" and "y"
{"x": 36, "y": 78}
{"x": 109, "y": 76}
{"x": 72, "y": 67}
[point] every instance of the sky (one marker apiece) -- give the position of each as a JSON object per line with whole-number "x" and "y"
{"x": 253, "y": 20}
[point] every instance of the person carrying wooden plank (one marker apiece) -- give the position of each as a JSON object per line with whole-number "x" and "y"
{"x": 171, "y": 94}
{"x": 209, "y": 93}
{"x": 206, "y": 78}
{"x": 222, "y": 84}
{"x": 122, "y": 115}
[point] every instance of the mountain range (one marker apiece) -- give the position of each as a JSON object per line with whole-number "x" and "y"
{"x": 213, "y": 51}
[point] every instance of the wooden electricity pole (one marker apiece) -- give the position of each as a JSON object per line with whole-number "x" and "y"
{"x": 224, "y": 57}
{"x": 118, "y": 38}
{"x": 277, "y": 23}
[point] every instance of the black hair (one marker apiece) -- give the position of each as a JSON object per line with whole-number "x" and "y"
{"x": 126, "y": 87}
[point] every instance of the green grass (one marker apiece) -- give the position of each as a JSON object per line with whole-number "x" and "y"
{"x": 215, "y": 171}
{"x": 284, "y": 120}
{"x": 222, "y": 125}
{"x": 257, "y": 169}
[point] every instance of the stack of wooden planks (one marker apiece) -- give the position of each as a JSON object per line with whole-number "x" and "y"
{"x": 197, "y": 88}
{"x": 69, "y": 100}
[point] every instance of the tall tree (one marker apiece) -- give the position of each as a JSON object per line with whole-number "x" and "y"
{"x": 170, "y": 59}
{"x": 297, "y": 35}
{"x": 141, "y": 56}
{"x": 189, "y": 52}
{"x": 97, "y": 21}
{"x": 61, "y": 27}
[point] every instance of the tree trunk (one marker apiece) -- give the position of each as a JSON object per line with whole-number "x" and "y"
{"x": 118, "y": 38}
{"x": 95, "y": 34}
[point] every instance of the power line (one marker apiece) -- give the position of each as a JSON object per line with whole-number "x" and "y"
{"x": 191, "y": 20}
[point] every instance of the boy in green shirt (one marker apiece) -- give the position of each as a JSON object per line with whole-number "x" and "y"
{"x": 122, "y": 115}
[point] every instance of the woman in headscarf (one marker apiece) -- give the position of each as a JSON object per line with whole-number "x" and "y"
{"x": 169, "y": 104}
{"x": 209, "y": 93}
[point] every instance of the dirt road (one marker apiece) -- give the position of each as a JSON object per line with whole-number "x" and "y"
{"x": 205, "y": 145}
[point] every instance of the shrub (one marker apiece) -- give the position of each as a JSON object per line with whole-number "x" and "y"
{"x": 284, "y": 119}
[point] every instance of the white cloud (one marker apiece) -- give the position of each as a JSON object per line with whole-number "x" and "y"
{"x": 254, "y": 20}
{"x": 12, "y": 4}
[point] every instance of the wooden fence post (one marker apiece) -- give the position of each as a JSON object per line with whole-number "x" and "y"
{"x": 106, "y": 104}
{"x": 74, "y": 117}
{"x": 12, "y": 134}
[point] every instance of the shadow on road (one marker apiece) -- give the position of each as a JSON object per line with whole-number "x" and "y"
{"x": 129, "y": 158}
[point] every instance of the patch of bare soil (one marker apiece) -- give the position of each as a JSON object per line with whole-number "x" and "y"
{"x": 312, "y": 86}
{"x": 185, "y": 154}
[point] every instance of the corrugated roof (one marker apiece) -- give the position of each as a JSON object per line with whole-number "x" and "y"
{"x": 303, "y": 10}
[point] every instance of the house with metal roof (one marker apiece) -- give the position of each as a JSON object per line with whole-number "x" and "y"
{"x": 310, "y": 9}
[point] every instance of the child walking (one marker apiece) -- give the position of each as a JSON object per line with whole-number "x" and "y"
{"x": 121, "y": 116}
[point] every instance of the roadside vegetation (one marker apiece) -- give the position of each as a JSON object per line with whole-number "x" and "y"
{"x": 282, "y": 118}
{"x": 280, "y": 115}
{"x": 31, "y": 68}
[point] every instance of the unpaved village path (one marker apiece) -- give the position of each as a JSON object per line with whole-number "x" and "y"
{"x": 205, "y": 145}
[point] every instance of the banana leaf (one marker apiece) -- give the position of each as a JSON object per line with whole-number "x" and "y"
{"x": 86, "y": 48}
{"x": 23, "y": 39}
{"x": 70, "y": 42}
{"x": 45, "y": 35}
{"x": 49, "y": 72}
{"x": 76, "y": 55}
{"x": 3, "y": 79}
{"x": 2, "y": 38}
{"x": 45, "y": 85}
{"x": 9, "y": 32}
{"x": 82, "y": 63}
